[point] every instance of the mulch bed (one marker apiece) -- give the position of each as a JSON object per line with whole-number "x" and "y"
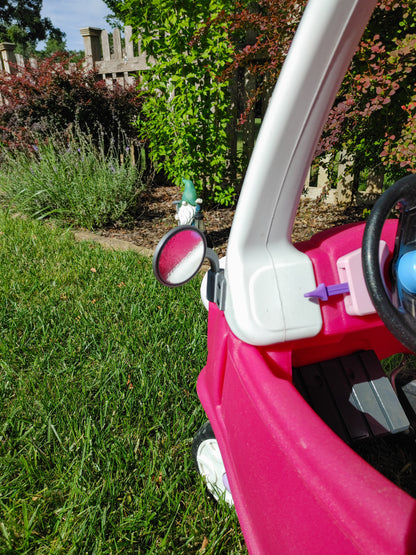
{"x": 157, "y": 215}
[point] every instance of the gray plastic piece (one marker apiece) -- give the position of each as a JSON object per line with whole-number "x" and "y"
{"x": 353, "y": 396}
{"x": 410, "y": 391}
{"x": 377, "y": 399}
{"x": 216, "y": 288}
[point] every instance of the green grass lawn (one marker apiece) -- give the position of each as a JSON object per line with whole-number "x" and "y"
{"x": 98, "y": 408}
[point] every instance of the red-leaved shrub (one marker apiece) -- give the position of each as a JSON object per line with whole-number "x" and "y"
{"x": 57, "y": 95}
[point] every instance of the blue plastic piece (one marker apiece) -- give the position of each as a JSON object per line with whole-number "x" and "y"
{"x": 406, "y": 271}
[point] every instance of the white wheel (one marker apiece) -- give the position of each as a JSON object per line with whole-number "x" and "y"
{"x": 209, "y": 463}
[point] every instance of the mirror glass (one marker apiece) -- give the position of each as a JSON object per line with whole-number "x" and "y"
{"x": 179, "y": 255}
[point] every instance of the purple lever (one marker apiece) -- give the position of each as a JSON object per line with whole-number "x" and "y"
{"x": 323, "y": 291}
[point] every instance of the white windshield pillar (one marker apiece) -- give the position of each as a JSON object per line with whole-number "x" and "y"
{"x": 266, "y": 275}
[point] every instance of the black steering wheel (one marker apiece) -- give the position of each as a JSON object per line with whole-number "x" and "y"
{"x": 397, "y": 306}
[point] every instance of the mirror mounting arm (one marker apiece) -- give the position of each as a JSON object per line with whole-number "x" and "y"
{"x": 216, "y": 284}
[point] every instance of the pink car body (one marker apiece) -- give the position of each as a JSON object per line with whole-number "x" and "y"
{"x": 297, "y": 487}
{"x": 280, "y": 311}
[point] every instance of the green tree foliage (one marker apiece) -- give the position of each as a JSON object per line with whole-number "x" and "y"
{"x": 116, "y": 17}
{"x": 54, "y": 45}
{"x": 22, "y": 24}
{"x": 186, "y": 107}
{"x": 201, "y": 49}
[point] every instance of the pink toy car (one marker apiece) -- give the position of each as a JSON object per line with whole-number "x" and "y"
{"x": 296, "y": 332}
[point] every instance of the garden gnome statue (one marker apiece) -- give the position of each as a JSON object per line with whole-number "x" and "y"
{"x": 189, "y": 205}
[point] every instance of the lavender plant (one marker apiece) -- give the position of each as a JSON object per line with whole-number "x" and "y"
{"x": 75, "y": 181}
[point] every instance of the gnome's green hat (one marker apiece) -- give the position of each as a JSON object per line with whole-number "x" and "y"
{"x": 189, "y": 193}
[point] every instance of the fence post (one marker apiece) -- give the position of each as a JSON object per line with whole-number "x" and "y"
{"x": 7, "y": 56}
{"x": 129, "y": 46}
{"x": 323, "y": 177}
{"x": 345, "y": 178}
{"x": 375, "y": 182}
{"x": 92, "y": 46}
{"x": 307, "y": 183}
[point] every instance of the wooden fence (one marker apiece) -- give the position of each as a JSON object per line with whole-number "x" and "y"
{"x": 9, "y": 59}
{"x": 125, "y": 59}
{"x": 120, "y": 64}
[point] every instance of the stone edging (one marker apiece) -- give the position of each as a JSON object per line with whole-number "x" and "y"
{"x": 120, "y": 245}
{"x": 111, "y": 243}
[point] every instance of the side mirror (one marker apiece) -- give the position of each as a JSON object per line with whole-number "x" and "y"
{"x": 179, "y": 255}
